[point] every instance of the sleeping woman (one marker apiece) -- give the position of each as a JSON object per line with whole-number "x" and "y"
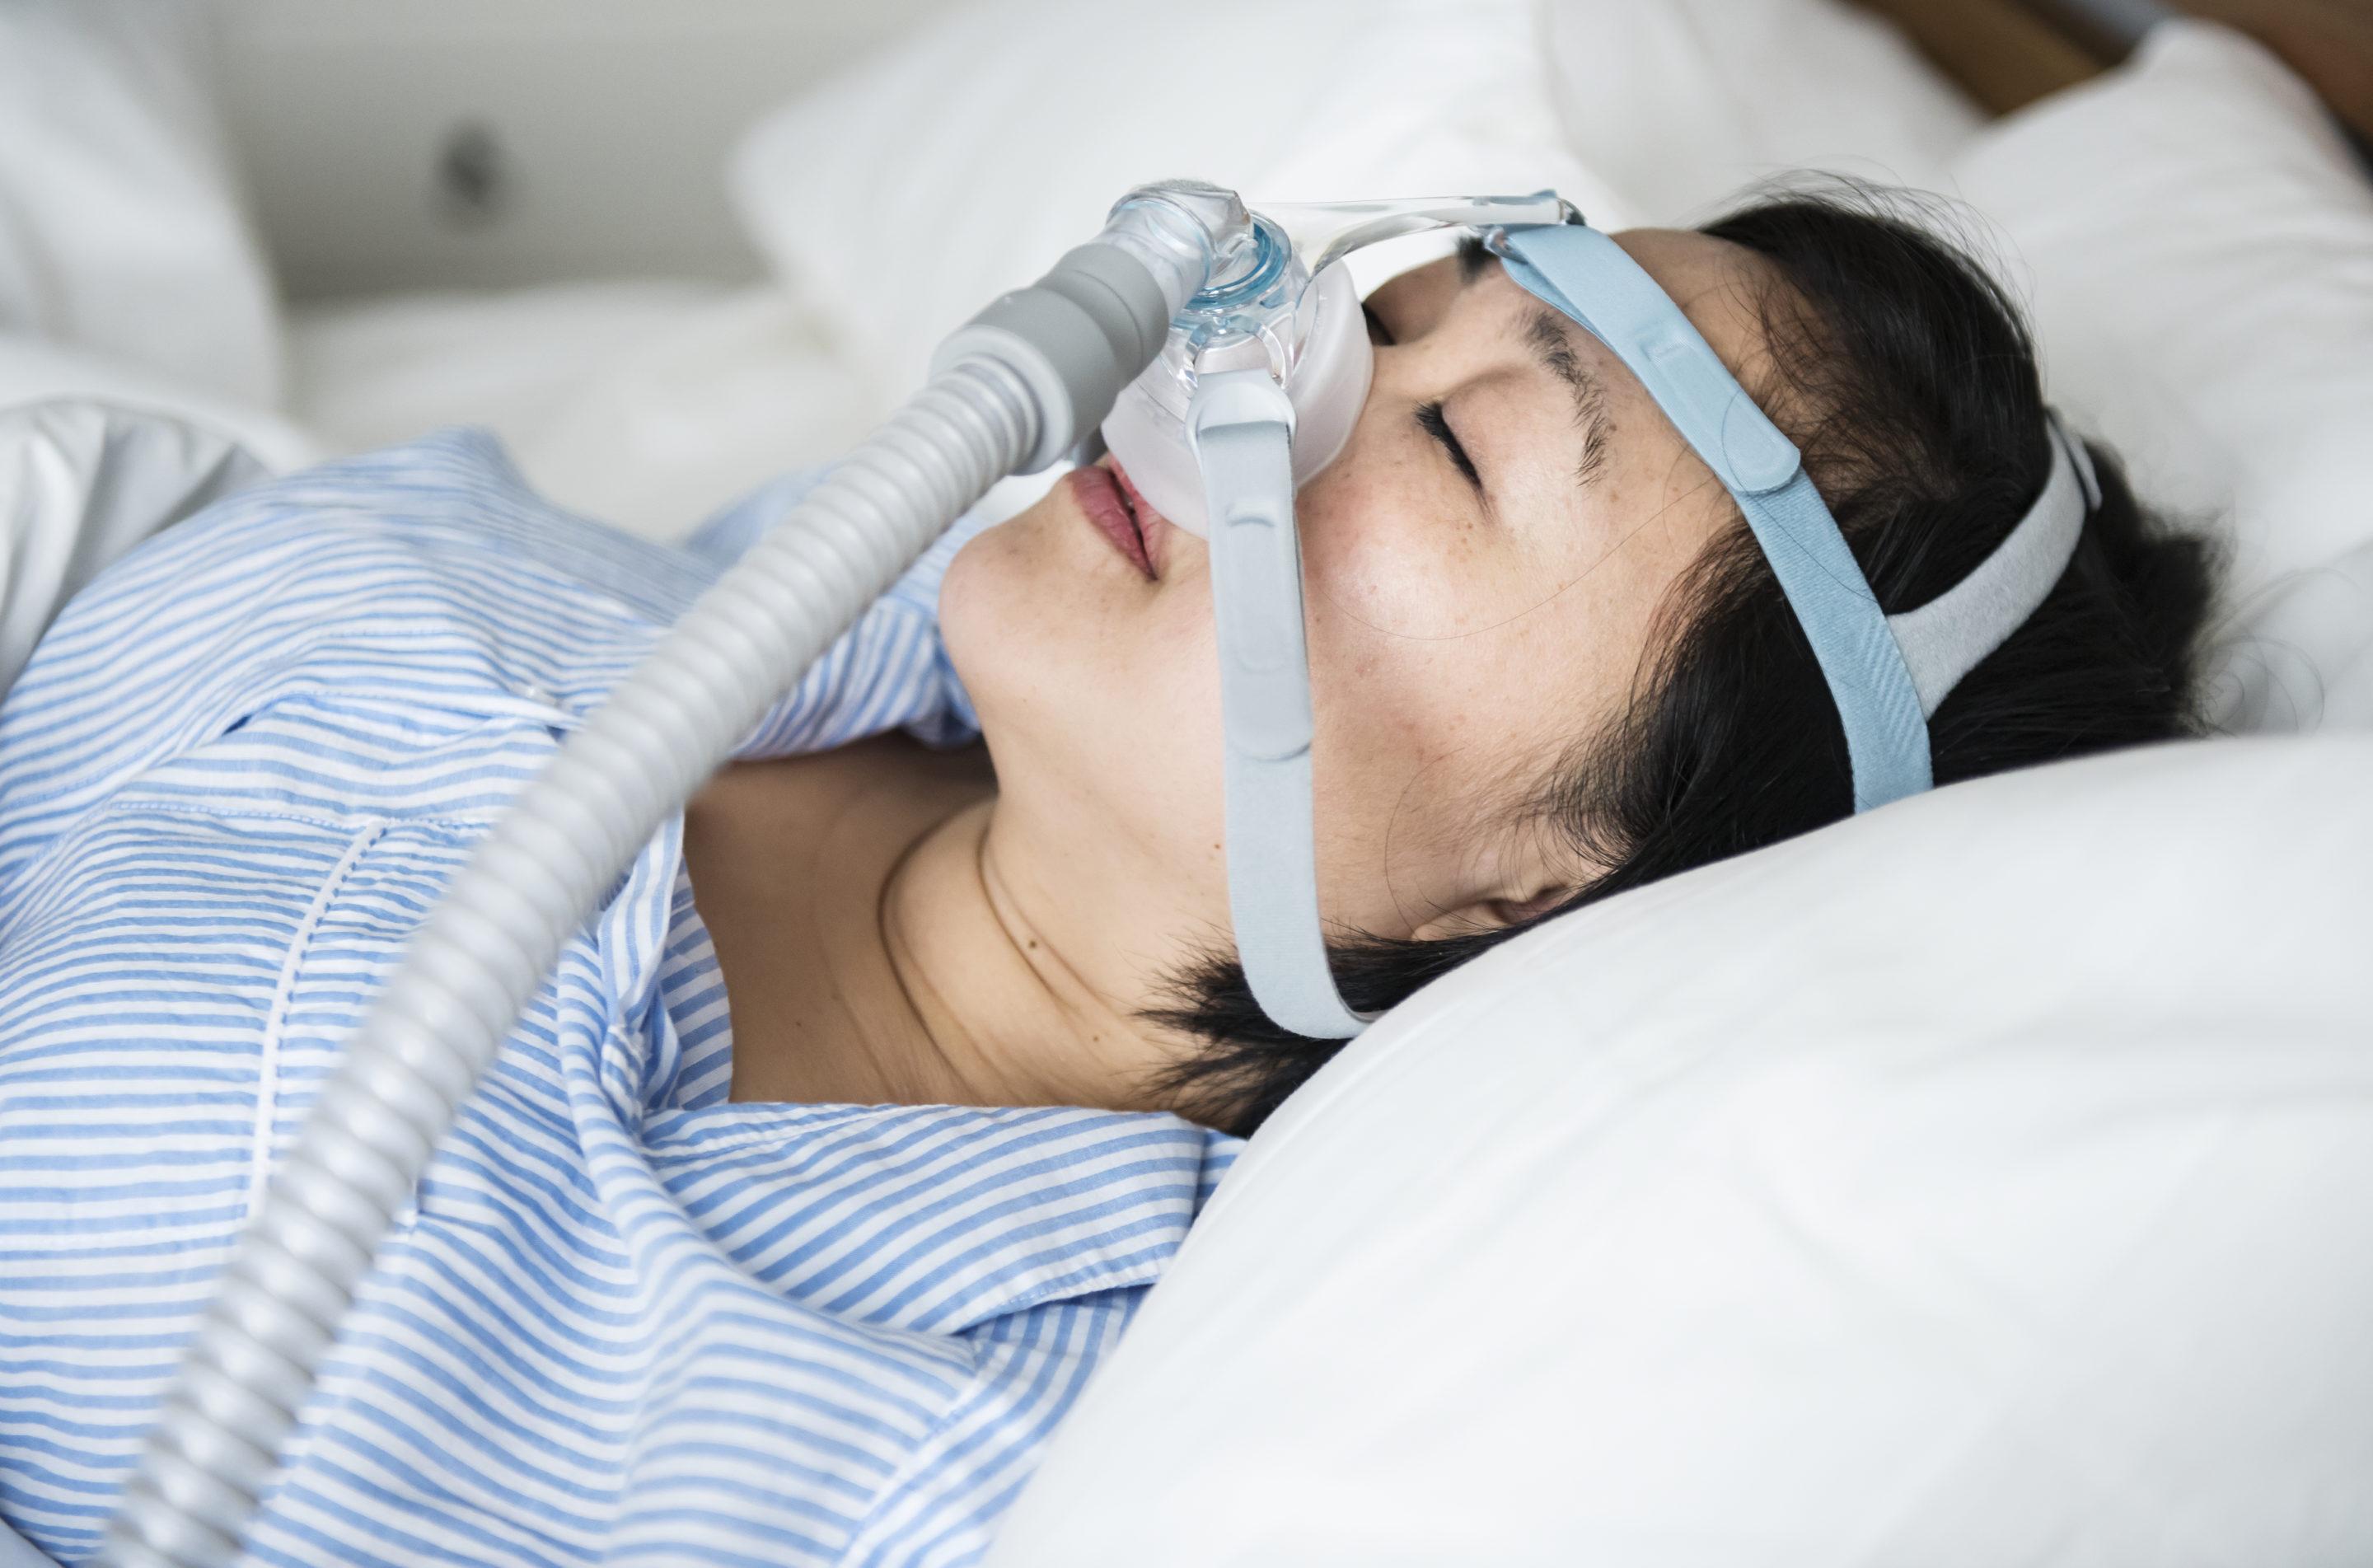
{"x": 843, "y": 1144}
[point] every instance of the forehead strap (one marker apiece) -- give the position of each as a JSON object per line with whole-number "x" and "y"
{"x": 1886, "y": 674}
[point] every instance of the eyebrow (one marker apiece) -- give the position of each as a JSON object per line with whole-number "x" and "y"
{"x": 1545, "y": 334}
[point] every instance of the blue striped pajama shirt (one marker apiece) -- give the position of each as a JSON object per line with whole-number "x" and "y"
{"x": 626, "y": 1321}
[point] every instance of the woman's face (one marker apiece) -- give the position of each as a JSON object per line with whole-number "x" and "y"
{"x": 1482, "y": 567}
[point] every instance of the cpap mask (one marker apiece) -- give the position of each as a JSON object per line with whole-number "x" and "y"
{"x": 1224, "y": 355}
{"x": 1281, "y": 300}
{"x": 1255, "y": 392}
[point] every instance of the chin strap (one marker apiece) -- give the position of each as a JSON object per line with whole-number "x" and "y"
{"x": 1242, "y": 425}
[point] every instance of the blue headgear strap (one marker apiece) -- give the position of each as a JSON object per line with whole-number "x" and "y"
{"x": 1885, "y": 674}
{"x": 1886, "y": 732}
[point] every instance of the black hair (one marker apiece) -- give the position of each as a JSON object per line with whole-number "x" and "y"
{"x": 1907, "y": 379}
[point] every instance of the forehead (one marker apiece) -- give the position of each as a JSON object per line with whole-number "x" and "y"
{"x": 1721, "y": 288}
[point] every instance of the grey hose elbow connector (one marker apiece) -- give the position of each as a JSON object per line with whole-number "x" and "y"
{"x": 1075, "y": 337}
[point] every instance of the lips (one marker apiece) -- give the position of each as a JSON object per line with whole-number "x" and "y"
{"x": 1151, "y": 526}
{"x": 1112, "y": 505}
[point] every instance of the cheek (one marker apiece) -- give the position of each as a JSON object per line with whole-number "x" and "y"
{"x": 1427, "y": 745}
{"x": 1374, "y": 553}
{"x": 1099, "y": 697}
{"x": 1389, "y": 543}
{"x": 1418, "y": 733}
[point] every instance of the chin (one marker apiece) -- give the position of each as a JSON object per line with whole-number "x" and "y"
{"x": 1087, "y": 685}
{"x": 1002, "y": 629}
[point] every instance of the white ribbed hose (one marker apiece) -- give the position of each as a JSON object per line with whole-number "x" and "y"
{"x": 531, "y": 885}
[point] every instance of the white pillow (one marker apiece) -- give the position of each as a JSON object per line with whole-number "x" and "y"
{"x": 2198, "y": 244}
{"x": 1982, "y": 1180}
{"x": 2302, "y": 658}
{"x": 647, "y": 405}
{"x": 1682, "y": 103}
{"x": 120, "y": 228}
{"x": 905, "y": 196}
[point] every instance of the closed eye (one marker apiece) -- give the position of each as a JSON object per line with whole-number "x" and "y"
{"x": 1430, "y": 419}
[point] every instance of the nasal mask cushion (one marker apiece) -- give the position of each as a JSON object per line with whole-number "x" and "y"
{"x": 1317, "y": 350}
{"x": 1259, "y": 392}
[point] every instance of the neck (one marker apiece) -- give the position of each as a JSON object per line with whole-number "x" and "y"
{"x": 880, "y": 943}
{"x": 986, "y": 992}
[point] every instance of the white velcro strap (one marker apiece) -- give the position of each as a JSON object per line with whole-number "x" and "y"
{"x": 1947, "y": 637}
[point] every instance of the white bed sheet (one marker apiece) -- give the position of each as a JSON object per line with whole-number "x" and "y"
{"x": 647, "y": 405}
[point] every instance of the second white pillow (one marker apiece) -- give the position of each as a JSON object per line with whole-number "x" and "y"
{"x": 904, "y": 196}
{"x": 2198, "y": 246}
{"x": 1682, "y": 103}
